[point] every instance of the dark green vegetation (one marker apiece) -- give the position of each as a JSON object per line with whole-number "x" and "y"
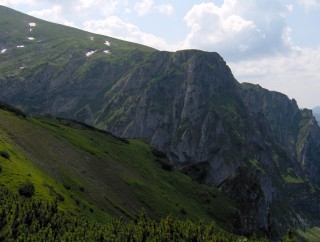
{"x": 30, "y": 220}
{"x": 27, "y": 189}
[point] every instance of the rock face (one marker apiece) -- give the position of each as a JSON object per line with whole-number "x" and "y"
{"x": 255, "y": 145}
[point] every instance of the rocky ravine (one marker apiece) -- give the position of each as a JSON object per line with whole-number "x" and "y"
{"x": 256, "y": 145}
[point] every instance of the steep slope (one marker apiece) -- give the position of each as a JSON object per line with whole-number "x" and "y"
{"x": 255, "y": 145}
{"x": 49, "y": 62}
{"x": 98, "y": 175}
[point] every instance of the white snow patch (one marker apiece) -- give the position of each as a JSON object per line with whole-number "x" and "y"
{"x": 32, "y": 24}
{"x": 22, "y": 67}
{"x": 30, "y": 30}
{"x": 107, "y": 43}
{"x": 107, "y": 52}
{"x": 3, "y": 51}
{"x": 20, "y": 46}
{"x": 90, "y": 53}
{"x": 30, "y": 38}
{"x": 92, "y": 38}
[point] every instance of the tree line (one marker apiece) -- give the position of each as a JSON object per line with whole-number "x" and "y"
{"x": 27, "y": 219}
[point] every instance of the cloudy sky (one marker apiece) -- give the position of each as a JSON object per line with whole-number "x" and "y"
{"x": 275, "y": 43}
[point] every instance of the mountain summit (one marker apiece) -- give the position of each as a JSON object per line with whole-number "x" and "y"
{"x": 255, "y": 145}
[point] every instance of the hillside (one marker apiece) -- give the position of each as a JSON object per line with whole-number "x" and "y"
{"x": 58, "y": 59}
{"x": 256, "y": 146}
{"x": 99, "y": 175}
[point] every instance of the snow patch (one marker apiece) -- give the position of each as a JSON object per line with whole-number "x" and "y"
{"x": 20, "y": 46}
{"x": 91, "y": 38}
{"x": 30, "y": 38}
{"x": 3, "y": 51}
{"x": 107, "y": 52}
{"x": 32, "y": 25}
{"x": 22, "y": 67}
{"x": 90, "y": 53}
{"x": 107, "y": 43}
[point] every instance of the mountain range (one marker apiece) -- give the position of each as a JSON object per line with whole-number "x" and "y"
{"x": 253, "y": 145}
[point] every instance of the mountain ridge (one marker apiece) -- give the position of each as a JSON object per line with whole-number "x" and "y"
{"x": 186, "y": 104}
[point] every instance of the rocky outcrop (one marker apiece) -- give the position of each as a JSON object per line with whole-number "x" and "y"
{"x": 172, "y": 102}
{"x": 254, "y": 193}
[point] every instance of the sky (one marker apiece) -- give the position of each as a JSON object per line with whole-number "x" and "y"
{"x": 273, "y": 43}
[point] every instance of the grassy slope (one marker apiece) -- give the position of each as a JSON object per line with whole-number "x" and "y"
{"x": 116, "y": 177}
{"x": 95, "y": 171}
{"x": 56, "y": 62}
{"x": 310, "y": 234}
{"x": 54, "y": 45}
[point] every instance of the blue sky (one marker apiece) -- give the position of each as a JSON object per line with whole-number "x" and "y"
{"x": 275, "y": 43}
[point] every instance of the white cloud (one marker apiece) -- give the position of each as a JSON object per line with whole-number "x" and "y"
{"x": 239, "y": 29}
{"x": 146, "y": 6}
{"x": 143, "y": 7}
{"x": 54, "y": 14}
{"x": 289, "y": 7}
{"x": 106, "y": 7}
{"x": 13, "y": 3}
{"x": 86, "y": 4}
{"x": 116, "y": 27}
{"x": 295, "y": 74}
{"x": 309, "y": 4}
{"x": 166, "y": 9}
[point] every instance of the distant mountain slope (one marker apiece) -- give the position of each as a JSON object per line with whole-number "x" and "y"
{"x": 316, "y": 113}
{"x": 98, "y": 175}
{"x": 254, "y": 145}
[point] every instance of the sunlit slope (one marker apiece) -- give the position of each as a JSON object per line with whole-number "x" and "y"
{"x": 60, "y": 61}
{"x": 99, "y": 175}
